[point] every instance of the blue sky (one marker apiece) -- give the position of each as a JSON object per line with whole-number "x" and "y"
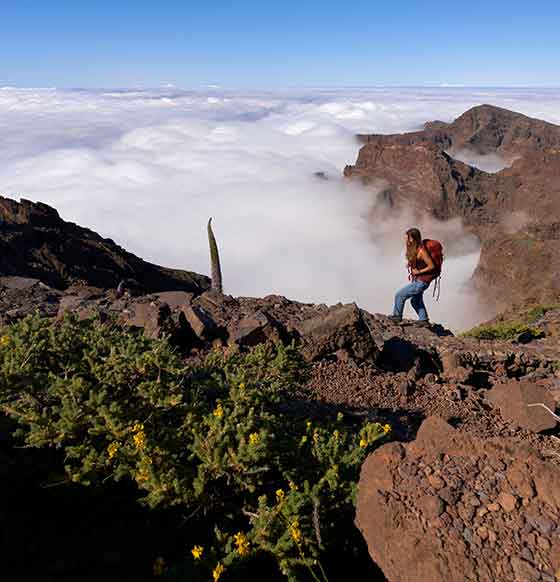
{"x": 278, "y": 44}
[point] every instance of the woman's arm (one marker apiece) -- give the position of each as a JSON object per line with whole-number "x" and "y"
{"x": 430, "y": 265}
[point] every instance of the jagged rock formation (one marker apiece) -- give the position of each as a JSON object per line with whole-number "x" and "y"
{"x": 35, "y": 242}
{"x": 415, "y": 170}
{"x": 454, "y": 507}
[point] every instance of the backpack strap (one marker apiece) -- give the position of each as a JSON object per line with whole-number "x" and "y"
{"x": 437, "y": 288}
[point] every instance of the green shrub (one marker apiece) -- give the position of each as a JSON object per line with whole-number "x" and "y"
{"x": 537, "y": 312}
{"x": 501, "y": 331}
{"x": 222, "y": 438}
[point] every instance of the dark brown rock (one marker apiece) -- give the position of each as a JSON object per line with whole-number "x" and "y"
{"x": 431, "y": 506}
{"x": 254, "y": 329}
{"x": 36, "y": 243}
{"x": 514, "y": 400}
{"x": 152, "y": 317}
{"x": 340, "y": 327}
{"x": 200, "y": 322}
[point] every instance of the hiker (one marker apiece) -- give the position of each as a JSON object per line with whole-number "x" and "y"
{"x": 423, "y": 269}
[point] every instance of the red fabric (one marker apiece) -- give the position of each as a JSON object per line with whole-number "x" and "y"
{"x": 435, "y": 249}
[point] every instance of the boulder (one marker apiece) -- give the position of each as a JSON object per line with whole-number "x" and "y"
{"x": 175, "y": 299}
{"x": 20, "y": 296}
{"x": 514, "y": 400}
{"x": 254, "y": 329}
{"x": 200, "y": 322}
{"x": 339, "y": 327}
{"x": 80, "y": 306}
{"x": 152, "y": 317}
{"x": 453, "y": 368}
{"x": 19, "y": 283}
{"x": 450, "y": 507}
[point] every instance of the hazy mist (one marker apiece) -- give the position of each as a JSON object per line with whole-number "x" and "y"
{"x": 147, "y": 168}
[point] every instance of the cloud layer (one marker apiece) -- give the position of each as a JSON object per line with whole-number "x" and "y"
{"x": 147, "y": 168}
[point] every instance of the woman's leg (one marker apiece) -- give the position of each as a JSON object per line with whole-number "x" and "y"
{"x": 417, "y": 300}
{"x": 401, "y": 296}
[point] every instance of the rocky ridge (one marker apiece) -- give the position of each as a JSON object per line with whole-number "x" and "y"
{"x": 417, "y": 170}
{"x": 36, "y": 242}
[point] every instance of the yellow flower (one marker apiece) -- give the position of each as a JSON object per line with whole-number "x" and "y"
{"x": 336, "y": 434}
{"x": 218, "y": 411}
{"x": 386, "y": 428}
{"x": 159, "y": 566}
{"x": 295, "y": 532}
{"x": 339, "y": 416}
{"x": 308, "y": 424}
{"x": 112, "y": 449}
{"x": 5, "y": 341}
{"x": 293, "y": 486}
{"x": 242, "y": 543}
{"x": 140, "y": 439}
{"x": 254, "y": 438}
{"x": 197, "y": 552}
{"x": 280, "y": 495}
{"x": 363, "y": 443}
{"x": 217, "y": 572}
{"x": 242, "y": 386}
{"x": 137, "y": 427}
{"x": 142, "y": 476}
{"x": 303, "y": 440}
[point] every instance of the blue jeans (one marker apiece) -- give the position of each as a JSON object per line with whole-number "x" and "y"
{"x": 414, "y": 292}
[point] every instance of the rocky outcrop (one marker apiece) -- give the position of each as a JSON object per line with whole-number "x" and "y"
{"x": 36, "y": 243}
{"x": 482, "y": 129}
{"x": 417, "y": 170}
{"x": 524, "y": 404}
{"x": 487, "y": 129}
{"x": 451, "y": 507}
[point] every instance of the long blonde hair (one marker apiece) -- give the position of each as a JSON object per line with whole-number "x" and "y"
{"x": 413, "y": 243}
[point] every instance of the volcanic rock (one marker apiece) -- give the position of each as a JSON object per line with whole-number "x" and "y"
{"x": 200, "y": 321}
{"x": 255, "y": 329}
{"x": 340, "y": 327}
{"x": 36, "y": 243}
{"x": 416, "y": 170}
{"x": 478, "y": 527}
{"x": 516, "y": 402}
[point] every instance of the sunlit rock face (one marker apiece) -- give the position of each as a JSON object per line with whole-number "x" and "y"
{"x": 513, "y": 210}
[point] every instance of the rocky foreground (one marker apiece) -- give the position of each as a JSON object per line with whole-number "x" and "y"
{"x": 474, "y": 495}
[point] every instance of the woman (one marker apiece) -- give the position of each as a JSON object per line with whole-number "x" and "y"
{"x": 420, "y": 266}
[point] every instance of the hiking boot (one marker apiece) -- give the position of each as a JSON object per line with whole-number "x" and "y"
{"x": 395, "y": 318}
{"x": 423, "y": 323}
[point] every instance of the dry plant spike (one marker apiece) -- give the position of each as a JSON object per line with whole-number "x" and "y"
{"x": 542, "y": 405}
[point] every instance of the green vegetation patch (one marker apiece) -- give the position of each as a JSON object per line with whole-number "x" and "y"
{"x": 502, "y": 331}
{"x": 221, "y": 438}
{"x": 507, "y": 330}
{"x": 538, "y": 312}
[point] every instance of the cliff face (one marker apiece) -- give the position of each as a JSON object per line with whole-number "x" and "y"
{"x": 414, "y": 170}
{"x": 35, "y": 242}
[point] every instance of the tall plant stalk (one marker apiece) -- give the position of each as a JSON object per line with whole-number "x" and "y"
{"x": 216, "y": 271}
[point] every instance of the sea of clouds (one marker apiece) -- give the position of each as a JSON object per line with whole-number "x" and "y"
{"x": 149, "y": 167}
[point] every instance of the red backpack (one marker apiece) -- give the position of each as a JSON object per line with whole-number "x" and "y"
{"x": 435, "y": 250}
